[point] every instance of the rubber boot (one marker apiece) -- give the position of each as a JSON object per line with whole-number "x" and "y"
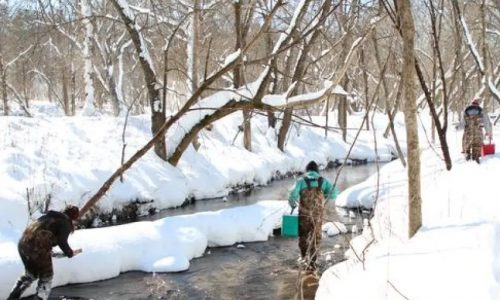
{"x": 22, "y": 284}
{"x": 43, "y": 288}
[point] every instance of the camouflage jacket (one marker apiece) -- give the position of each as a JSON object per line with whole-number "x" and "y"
{"x": 54, "y": 228}
{"x": 474, "y": 119}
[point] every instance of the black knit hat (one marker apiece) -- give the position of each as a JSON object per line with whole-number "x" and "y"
{"x": 312, "y": 166}
{"x": 72, "y": 212}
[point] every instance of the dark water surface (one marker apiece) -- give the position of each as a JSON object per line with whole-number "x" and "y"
{"x": 260, "y": 270}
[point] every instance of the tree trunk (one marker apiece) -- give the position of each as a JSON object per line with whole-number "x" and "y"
{"x": 157, "y": 116}
{"x": 65, "y": 95}
{"x": 391, "y": 125}
{"x": 342, "y": 111}
{"x": 237, "y": 78}
{"x": 194, "y": 46}
{"x": 247, "y": 129}
{"x": 285, "y": 125}
{"x": 299, "y": 72}
{"x": 193, "y": 53}
{"x": 3, "y": 73}
{"x": 119, "y": 80}
{"x": 327, "y": 107}
{"x": 285, "y": 84}
{"x": 484, "y": 48}
{"x": 25, "y": 87}
{"x": 73, "y": 90}
{"x": 165, "y": 78}
{"x": 345, "y": 20}
{"x": 271, "y": 118}
{"x": 115, "y": 102}
{"x": 410, "y": 109}
{"x": 365, "y": 81}
{"x": 484, "y": 52}
{"x": 88, "y": 50}
{"x": 441, "y": 129}
{"x": 433, "y": 131}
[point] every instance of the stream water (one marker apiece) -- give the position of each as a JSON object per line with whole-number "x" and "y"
{"x": 261, "y": 270}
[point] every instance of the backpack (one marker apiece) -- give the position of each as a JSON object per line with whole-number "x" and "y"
{"x": 312, "y": 198}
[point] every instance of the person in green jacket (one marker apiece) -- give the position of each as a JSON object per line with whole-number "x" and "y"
{"x": 312, "y": 192}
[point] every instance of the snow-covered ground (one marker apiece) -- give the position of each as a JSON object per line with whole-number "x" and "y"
{"x": 166, "y": 245}
{"x": 456, "y": 253}
{"x": 69, "y": 158}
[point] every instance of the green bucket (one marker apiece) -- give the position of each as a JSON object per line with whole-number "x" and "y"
{"x": 290, "y": 225}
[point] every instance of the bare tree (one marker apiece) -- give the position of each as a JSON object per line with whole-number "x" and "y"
{"x": 86, "y": 8}
{"x": 242, "y": 27}
{"x": 481, "y": 62}
{"x": 300, "y": 64}
{"x": 152, "y": 84}
{"x": 441, "y": 127}
{"x": 347, "y": 20}
{"x": 410, "y": 111}
{"x": 3, "y": 83}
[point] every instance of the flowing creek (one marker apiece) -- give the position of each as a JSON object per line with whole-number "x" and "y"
{"x": 259, "y": 270}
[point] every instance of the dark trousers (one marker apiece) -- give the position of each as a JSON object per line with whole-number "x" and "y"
{"x": 309, "y": 236}
{"x": 37, "y": 265}
{"x": 42, "y": 290}
{"x": 472, "y": 141}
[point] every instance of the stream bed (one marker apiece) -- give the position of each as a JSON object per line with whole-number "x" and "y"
{"x": 259, "y": 270}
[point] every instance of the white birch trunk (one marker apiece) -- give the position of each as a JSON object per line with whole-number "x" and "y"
{"x": 193, "y": 47}
{"x": 86, "y": 11}
{"x": 119, "y": 83}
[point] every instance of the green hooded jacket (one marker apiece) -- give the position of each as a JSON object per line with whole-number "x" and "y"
{"x": 330, "y": 191}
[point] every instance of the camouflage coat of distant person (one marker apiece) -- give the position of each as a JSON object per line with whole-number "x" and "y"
{"x": 475, "y": 120}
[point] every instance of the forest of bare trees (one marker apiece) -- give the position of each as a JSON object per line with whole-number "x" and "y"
{"x": 162, "y": 58}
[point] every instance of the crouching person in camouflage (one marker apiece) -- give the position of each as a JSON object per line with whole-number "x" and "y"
{"x": 312, "y": 191}
{"x": 35, "y": 249}
{"x": 475, "y": 120}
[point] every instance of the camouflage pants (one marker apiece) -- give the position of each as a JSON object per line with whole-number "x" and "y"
{"x": 36, "y": 254}
{"x": 472, "y": 142}
{"x": 310, "y": 221}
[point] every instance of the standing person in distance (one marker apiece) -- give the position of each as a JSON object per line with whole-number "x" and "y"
{"x": 475, "y": 120}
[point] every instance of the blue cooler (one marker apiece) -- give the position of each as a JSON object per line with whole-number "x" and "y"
{"x": 290, "y": 225}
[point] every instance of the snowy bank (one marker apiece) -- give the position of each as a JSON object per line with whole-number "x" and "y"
{"x": 165, "y": 245}
{"x": 455, "y": 255}
{"x": 67, "y": 159}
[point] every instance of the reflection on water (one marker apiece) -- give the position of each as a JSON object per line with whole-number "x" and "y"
{"x": 277, "y": 190}
{"x": 261, "y": 270}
